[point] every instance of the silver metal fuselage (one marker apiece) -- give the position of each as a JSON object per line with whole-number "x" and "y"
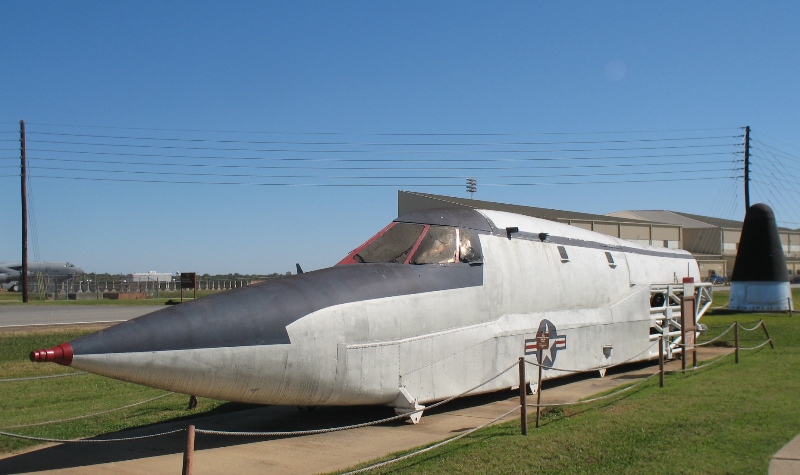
{"x": 434, "y": 344}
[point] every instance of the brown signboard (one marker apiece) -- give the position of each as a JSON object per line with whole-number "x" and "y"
{"x": 188, "y": 280}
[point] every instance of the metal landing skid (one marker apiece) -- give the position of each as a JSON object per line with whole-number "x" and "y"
{"x": 665, "y": 313}
{"x": 405, "y": 404}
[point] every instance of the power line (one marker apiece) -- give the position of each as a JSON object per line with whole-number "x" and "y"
{"x": 780, "y": 176}
{"x": 421, "y": 160}
{"x": 772, "y": 149}
{"x": 395, "y": 134}
{"x": 359, "y": 151}
{"x": 781, "y": 142}
{"x": 382, "y": 144}
{"x": 394, "y": 185}
{"x": 775, "y": 161}
{"x": 438, "y": 166}
{"x": 384, "y": 177}
{"x": 775, "y": 185}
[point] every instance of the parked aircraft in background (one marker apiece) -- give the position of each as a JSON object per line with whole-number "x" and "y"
{"x": 11, "y": 272}
{"x": 434, "y": 304}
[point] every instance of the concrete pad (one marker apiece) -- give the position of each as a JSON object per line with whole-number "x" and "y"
{"x": 310, "y": 454}
{"x": 787, "y": 460}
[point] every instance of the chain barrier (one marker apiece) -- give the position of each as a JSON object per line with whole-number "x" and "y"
{"x": 64, "y": 441}
{"x": 435, "y": 446}
{"x": 598, "y": 368}
{"x": 751, "y": 329}
{"x": 755, "y": 347}
{"x": 354, "y": 426}
{"x": 32, "y": 378}
{"x": 717, "y": 337}
{"x": 587, "y": 401}
{"x": 695, "y": 368}
{"x": 86, "y": 416}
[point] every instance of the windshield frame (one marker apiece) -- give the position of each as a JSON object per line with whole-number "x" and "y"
{"x": 412, "y": 252}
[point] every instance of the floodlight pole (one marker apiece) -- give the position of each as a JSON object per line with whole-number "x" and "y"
{"x": 23, "y": 174}
{"x": 472, "y": 186}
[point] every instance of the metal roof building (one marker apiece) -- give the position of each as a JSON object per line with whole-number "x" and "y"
{"x": 633, "y": 229}
{"x": 713, "y": 241}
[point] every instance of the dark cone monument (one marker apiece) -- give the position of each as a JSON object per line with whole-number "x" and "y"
{"x": 760, "y": 280}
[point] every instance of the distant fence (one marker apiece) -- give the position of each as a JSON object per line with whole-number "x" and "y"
{"x": 46, "y": 287}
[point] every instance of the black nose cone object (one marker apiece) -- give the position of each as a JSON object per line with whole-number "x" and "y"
{"x": 760, "y": 279}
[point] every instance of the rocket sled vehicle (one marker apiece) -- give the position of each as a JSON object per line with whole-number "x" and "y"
{"x": 437, "y": 302}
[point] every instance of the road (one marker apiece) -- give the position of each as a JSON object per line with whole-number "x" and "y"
{"x": 16, "y": 315}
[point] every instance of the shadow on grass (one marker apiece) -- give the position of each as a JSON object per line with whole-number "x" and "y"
{"x": 724, "y": 312}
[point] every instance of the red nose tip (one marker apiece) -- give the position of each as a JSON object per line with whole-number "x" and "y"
{"x": 61, "y": 354}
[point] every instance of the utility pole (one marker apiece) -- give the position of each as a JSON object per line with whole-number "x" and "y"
{"x": 746, "y": 168}
{"x": 24, "y": 189}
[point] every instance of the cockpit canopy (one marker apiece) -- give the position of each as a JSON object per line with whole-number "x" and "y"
{"x": 410, "y": 243}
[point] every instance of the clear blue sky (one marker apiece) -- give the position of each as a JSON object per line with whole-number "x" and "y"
{"x": 269, "y": 71}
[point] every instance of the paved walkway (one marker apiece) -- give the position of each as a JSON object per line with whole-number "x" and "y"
{"x": 299, "y": 455}
{"x": 787, "y": 460}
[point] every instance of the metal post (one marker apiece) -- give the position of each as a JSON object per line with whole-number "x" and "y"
{"x": 789, "y": 304}
{"x": 661, "y": 361}
{"x": 188, "y": 453}
{"x": 683, "y": 353}
{"x": 736, "y": 339}
{"x": 523, "y": 409}
{"x": 539, "y": 393}
{"x": 541, "y": 341}
{"x": 772, "y": 345}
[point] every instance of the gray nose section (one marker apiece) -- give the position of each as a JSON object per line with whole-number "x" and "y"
{"x": 259, "y": 314}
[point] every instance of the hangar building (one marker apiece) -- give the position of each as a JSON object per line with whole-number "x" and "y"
{"x": 713, "y": 241}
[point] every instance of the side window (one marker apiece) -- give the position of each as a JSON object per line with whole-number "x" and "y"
{"x": 563, "y": 252}
{"x": 610, "y": 260}
{"x": 442, "y": 245}
{"x": 437, "y": 247}
{"x": 469, "y": 247}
